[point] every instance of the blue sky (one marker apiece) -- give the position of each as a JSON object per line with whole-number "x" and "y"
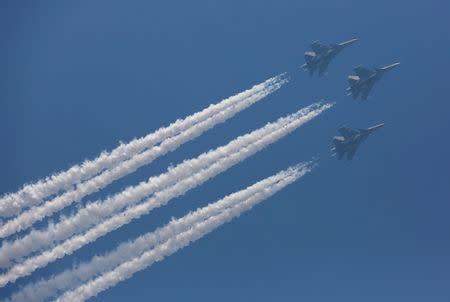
{"x": 77, "y": 78}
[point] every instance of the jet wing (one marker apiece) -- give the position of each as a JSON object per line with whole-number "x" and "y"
{"x": 318, "y": 48}
{"x": 346, "y": 132}
{"x": 309, "y": 68}
{"x": 365, "y": 91}
{"x": 351, "y": 153}
{"x": 323, "y": 69}
{"x": 365, "y": 94}
{"x": 355, "y": 94}
{"x": 362, "y": 72}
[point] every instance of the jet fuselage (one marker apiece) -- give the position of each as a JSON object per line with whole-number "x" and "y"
{"x": 363, "y": 81}
{"x": 350, "y": 140}
{"x": 322, "y": 55}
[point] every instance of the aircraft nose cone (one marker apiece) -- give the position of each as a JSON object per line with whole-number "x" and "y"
{"x": 377, "y": 126}
{"x": 391, "y": 66}
{"x": 346, "y": 43}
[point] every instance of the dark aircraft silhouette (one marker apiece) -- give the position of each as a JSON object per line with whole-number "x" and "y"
{"x": 322, "y": 55}
{"x": 350, "y": 140}
{"x": 365, "y": 79}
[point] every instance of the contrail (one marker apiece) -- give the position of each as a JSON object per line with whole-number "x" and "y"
{"x": 126, "y": 167}
{"x": 158, "y": 253}
{"x": 75, "y": 277}
{"x": 33, "y": 194}
{"x": 159, "y": 198}
{"x": 95, "y": 212}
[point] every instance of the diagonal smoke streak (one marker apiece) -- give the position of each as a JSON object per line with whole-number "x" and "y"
{"x": 160, "y": 198}
{"x": 123, "y": 168}
{"x": 173, "y": 244}
{"x": 44, "y": 289}
{"x": 95, "y": 212}
{"x": 33, "y": 194}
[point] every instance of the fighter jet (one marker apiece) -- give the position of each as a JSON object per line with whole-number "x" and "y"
{"x": 364, "y": 80}
{"x": 350, "y": 140}
{"x": 322, "y": 55}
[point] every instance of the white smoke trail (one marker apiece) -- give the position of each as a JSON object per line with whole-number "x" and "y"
{"x": 73, "y": 278}
{"x": 123, "y": 168}
{"x": 160, "y": 198}
{"x": 172, "y": 245}
{"x": 33, "y": 194}
{"x": 95, "y": 212}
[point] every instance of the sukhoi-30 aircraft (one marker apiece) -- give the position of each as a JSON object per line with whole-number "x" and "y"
{"x": 350, "y": 140}
{"x": 322, "y": 55}
{"x": 363, "y": 81}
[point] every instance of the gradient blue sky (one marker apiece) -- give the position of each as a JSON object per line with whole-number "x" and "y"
{"x": 78, "y": 77}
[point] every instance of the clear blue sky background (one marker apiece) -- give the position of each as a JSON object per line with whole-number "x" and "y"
{"x": 78, "y": 77}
